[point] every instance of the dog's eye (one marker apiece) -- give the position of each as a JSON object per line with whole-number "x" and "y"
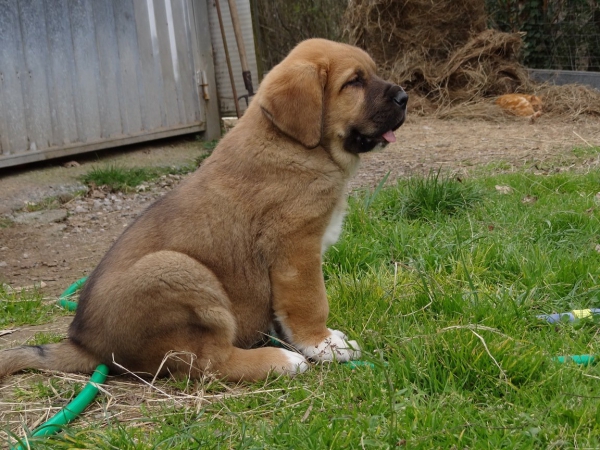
{"x": 355, "y": 82}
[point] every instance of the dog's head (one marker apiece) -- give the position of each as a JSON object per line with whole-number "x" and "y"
{"x": 326, "y": 91}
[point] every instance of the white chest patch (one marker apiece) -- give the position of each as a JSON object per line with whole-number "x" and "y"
{"x": 334, "y": 229}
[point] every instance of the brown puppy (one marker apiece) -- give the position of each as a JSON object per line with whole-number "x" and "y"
{"x": 234, "y": 252}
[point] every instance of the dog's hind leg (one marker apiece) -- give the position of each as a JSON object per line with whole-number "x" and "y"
{"x": 236, "y": 364}
{"x": 209, "y": 349}
{"x": 170, "y": 314}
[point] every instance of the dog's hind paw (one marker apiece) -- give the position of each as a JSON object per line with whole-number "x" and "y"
{"x": 335, "y": 347}
{"x": 294, "y": 364}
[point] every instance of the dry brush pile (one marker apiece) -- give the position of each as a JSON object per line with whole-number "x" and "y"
{"x": 452, "y": 63}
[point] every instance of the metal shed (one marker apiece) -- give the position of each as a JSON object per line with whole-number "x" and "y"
{"x": 227, "y": 105}
{"x": 82, "y": 75}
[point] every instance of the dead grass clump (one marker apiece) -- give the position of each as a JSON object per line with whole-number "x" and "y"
{"x": 390, "y": 29}
{"x": 420, "y": 105}
{"x": 443, "y": 53}
{"x": 438, "y": 50}
{"x": 571, "y": 100}
{"x": 485, "y": 66}
{"x": 26, "y": 402}
{"x": 485, "y": 109}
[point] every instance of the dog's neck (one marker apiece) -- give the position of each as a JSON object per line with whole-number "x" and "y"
{"x": 347, "y": 162}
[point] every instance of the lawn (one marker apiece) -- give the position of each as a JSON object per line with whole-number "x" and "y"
{"x": 441, "y": 280}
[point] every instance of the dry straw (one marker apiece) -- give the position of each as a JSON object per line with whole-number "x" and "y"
{"x": 451, "y": 62}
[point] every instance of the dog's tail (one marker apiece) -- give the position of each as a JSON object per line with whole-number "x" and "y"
{"x": 65, "y": 356}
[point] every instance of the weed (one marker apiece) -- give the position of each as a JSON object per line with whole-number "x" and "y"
{"x": 582, "y": 152}
{"x": 210, "y": 145}
{"x": 200, "y": 159}
{"x": 52, "y": 202}
{"x": 46, "y": 338}
{"x": 5, "y": 222}
{"x": 25, "y": 307}
{"x": 34, "y": 391}
{"x": 46, "y": 203}
{"x": 437, "y": 194}
{"x": 117, "y": 178}
{"x": 50, "y": 388}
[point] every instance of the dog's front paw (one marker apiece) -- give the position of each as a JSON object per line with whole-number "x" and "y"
{"x": 292, "y": 363}
{"x": 335, "y": 347}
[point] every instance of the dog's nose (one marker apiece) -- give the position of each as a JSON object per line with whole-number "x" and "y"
{"x": 401, "y": 98}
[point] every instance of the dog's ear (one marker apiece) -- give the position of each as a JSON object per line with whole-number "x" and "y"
{"x": 292, "y": 98}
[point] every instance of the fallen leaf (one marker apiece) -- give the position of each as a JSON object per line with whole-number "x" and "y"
{"x": 529, "y": 199}
{"x": 504, "y": 189}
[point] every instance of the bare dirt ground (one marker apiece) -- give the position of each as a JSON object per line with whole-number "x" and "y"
{"x": 70, "y": 245}
{"x": 55, "y": 251}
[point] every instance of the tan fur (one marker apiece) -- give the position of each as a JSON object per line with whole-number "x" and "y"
{"x": 522, "y": 105}
{"x": 235, "y": 250}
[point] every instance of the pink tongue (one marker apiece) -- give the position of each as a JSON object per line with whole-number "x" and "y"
{"x": 389, "y": 136}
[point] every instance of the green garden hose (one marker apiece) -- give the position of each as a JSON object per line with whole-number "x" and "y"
{"x": 64, "y": 299}
{"x": 582, "y": 360}
{"x": 84, "y": 398}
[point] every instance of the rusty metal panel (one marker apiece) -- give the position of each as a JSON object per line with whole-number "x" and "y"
{"x": 81, "y": 75}
{"x": 222, "y": 74}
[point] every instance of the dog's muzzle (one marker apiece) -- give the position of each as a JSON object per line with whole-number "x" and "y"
{"x": 401, "y": 98}
{"x": 395, "y": 102}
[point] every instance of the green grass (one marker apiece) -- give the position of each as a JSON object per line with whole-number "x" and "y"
{"x": 44, "y": 204}
{"x": 430, "y": 197}
{"x": 586, "y": 151}
{"x": 443, "y": 298}
{"x": 54, "y": 388}
{"x": 207, "y": 147}
{"x": 52, "y": 202}
{"x": 26, "y": 307}
{"x": 200, "y": 159}
{"x": 118, "y": 178}
{"x": 46, "y": 338}
{"x": 5, "y": 222}
{"x": 210, "y": 145}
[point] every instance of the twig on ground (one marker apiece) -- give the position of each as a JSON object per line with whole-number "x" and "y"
{"x": 588, "y": 144}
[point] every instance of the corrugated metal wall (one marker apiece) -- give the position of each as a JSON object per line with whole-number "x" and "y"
{"x": 227, "y": 105}
{"x": 80, "y": 75}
